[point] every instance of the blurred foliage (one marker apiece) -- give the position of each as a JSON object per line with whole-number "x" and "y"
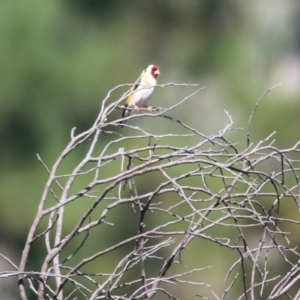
{"x": 60, "y": 58}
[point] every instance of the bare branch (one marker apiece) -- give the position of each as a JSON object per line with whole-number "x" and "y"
{"x": 203, "y": 190}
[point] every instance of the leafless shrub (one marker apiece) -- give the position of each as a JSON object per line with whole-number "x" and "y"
{"x": 206, "y": 190}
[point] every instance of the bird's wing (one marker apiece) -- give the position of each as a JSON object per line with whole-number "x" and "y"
{"x": 136, "y": 85}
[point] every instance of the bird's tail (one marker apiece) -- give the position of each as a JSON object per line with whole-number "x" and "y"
{"x": 124, "y": 114}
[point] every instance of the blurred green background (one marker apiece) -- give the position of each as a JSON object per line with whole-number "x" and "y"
{"x": 60, "y": 58}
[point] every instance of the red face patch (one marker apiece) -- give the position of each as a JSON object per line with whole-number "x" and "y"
{"x": 155, "y": 71}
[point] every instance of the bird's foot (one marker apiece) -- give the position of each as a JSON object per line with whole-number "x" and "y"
{"x": 135, "y": 108}
{"x": 149, "y": 108}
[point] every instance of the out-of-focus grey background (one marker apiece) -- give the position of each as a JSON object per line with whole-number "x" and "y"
{"x": 60, "y": 58}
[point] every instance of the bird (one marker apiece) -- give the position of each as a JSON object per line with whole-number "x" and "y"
{"x": 141, "y": 92}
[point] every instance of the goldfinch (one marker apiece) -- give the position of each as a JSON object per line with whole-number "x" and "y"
{"x": 142, "y": 90}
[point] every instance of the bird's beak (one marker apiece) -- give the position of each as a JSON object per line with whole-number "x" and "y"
{"x": 156, "y": 72}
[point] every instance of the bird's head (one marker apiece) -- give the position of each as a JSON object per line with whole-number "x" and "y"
{"x": 153, "y": 70}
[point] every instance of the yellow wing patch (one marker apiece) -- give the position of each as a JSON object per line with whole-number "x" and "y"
{"x": 133, "y": 89}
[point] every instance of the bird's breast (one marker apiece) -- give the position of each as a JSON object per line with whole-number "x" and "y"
{"x": 141, "y": 96}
